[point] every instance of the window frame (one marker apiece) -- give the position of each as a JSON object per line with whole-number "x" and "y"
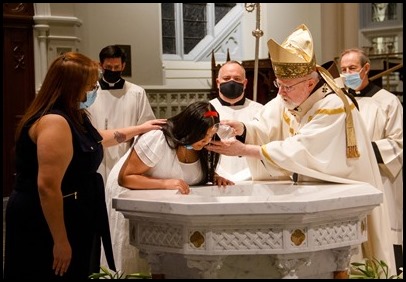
{"x": 388, "y": 28}
{"x": 215, "y": 33}
{"x": 366, "y": 17}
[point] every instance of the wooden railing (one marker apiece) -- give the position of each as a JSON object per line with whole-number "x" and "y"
{"x": 387, "y": 72}
{"x": 387, "y": 59}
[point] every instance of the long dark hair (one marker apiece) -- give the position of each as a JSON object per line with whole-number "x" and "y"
{"x": 190, "y": 126}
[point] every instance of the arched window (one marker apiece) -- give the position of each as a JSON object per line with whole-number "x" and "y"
{"x": 191, "y": 31}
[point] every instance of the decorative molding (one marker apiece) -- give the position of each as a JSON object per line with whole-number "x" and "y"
{"x": 208, "y": 266}
{"x": 343, "y": 257}
{"x": 289, "y": 266}
{"x": 252, "y": 240}
{"x": 332, "y": 234}
{"x": 298, "y": 236}
{"x": 166, "y": 103}
{"x": 60, "y": 37}
{"x": 42, "y": 9}
{"x": 58, "y": 20}
{"x": 19, "y": 57}
{"x": 160, "y": 235}
{"x": 247, "y": 239}
{"x": 18, "y": 9}
{"x": 197, "y": 239}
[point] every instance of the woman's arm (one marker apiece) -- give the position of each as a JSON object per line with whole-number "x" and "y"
{"x": 113, "y": 137}
{"x": 132, "y": 176}
{"x": 53, "y": 137}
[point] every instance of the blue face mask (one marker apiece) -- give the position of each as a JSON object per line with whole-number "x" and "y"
{"x": 352, "y": 80}
{"x": 90, "y": 98}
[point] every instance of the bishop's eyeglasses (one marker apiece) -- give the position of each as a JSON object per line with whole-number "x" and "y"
{"x": 287, "y": 88}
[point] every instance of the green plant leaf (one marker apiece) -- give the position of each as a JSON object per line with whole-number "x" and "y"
{"x": 109, "y": 274}
{"x": 105, "y": 269}
{"x": 371, "y": 269}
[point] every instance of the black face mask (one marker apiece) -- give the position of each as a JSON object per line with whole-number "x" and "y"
{"x": 111, "y": 76}
{"x": 231, "y": 89}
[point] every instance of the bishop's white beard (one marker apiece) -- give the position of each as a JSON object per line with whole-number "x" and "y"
{"x": 289, "y": 105}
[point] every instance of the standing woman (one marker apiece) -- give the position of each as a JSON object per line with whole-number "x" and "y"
{"x": 56, "y": 215}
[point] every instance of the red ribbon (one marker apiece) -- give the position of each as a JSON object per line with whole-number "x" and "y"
{"x": 211, "y": 114}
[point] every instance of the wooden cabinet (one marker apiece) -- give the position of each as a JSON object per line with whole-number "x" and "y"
{"x": 18, "y": 78}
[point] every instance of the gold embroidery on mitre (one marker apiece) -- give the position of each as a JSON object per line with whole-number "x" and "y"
{"x": 293, "y": 70}
{"x": 295, "y": 57}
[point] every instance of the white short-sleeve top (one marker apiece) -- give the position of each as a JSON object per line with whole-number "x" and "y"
{"x": 155, "y": 152}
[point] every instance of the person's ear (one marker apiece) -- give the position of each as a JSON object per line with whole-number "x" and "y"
{"x": 367, "y": 67}
{"x": 310, "y": 82}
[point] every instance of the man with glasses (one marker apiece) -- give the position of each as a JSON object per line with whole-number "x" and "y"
{"x": 382, "y": 113}
{"x": 311, "y": 132}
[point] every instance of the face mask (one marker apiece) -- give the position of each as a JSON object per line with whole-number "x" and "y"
{"x": 352, "y": 80}
{"x": 111, "y": 76}
{"x": 90, "y": 98}
{"x": 231, "y": 89}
